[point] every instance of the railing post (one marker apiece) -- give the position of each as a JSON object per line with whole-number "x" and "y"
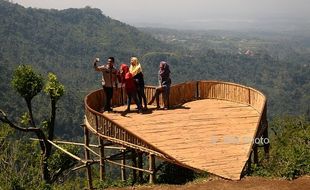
{"x": 197, "y": 90}
{"x": 250, "y": 97}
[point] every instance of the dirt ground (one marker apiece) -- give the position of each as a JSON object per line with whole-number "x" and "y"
{"x": 248, "y": 183}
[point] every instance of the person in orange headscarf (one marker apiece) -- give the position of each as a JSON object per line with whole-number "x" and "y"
{"x": 136, "y": 70}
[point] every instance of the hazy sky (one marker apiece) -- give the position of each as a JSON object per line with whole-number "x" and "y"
{"x": 186, "y": 11}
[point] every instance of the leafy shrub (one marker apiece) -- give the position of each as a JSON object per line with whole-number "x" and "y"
{"x": 290, "y": 149}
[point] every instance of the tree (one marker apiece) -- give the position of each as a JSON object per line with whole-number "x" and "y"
{"x": 29, "y": 84}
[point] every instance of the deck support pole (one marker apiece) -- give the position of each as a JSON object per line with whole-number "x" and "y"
{"x": 140, "y": 165}
{"x": 265, "y": 134}
{"x": 249, "y": 163}
{"x": 134, "y": 164}
{"x": 123, "y": 162}
{"x": 87, "y": 157}
{"x": 255, "y": 151}
{"x": 102, "y": 162}
{"x": 267, "y": 145}
{"x": 152, "y": 168}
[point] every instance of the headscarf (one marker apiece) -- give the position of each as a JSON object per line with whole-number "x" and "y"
{"x": 135, "y": 68}
{"x": 164, "y": 70}
{"x": 135, "y": 60}
{"x": 124, "y": 68}
{"x": 164, "y": 73}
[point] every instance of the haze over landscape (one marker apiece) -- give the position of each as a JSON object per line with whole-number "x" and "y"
{"x": 196, "y": 14}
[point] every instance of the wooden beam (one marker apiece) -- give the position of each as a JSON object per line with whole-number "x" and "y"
{"x": 67, "y": 152}
{"x": 127, "y": 166}
{"x": 82, "y": 144}
{"x": 87, "y": 156}
{"x": 123, "y": 162}
{"x": 79, "y": 167}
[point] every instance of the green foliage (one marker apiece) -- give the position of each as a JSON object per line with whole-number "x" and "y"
{"x": 26, "y": 82}
{"x": 290, "y": 149}
{"x": 174, "y": 174}
{"x": 25, "y": 119}
{"x": 76, "y": 183}
{"x": 20, "y": 160}
{"x": 109, "y": 183}
{"x": 53, "y": 87}
{"x": 5, "y": 133}
{"x": 59, "y": 161}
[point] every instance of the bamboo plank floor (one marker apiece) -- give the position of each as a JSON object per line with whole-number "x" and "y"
{"x": 210, "y": 135}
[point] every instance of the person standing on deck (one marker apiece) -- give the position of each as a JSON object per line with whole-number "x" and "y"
{"x": 109, "y": 78}
{"x": 125, "y": 77}
{"x": 136, "y": 70}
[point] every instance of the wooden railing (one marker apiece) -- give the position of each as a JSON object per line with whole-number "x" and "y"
{"x": 232, "y": 92}
{"x": 110, "y": 130}
{"x": 179, "y": 94}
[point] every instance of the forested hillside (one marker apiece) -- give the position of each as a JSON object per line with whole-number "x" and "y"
{"x": 65, "y": 42}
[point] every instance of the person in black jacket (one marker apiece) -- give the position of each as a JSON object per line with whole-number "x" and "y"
{"x": 136, "y": 70}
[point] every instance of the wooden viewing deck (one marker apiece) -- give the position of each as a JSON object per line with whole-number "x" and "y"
{"x": 211, "y": 126}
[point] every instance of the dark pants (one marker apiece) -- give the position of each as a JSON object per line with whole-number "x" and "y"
{"x": 166, "y": 91}
{"x": 108, "y": 91}
{"x": 141, "y": 95}
{"x": 134, "y": 96}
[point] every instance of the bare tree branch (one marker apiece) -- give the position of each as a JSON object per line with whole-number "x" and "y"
{"x": 37, "y": 131}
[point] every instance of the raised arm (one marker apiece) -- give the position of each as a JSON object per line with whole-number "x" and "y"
{"x": 96, "y": 67}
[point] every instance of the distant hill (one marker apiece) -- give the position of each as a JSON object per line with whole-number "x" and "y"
{"x": 278, "y": 65}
